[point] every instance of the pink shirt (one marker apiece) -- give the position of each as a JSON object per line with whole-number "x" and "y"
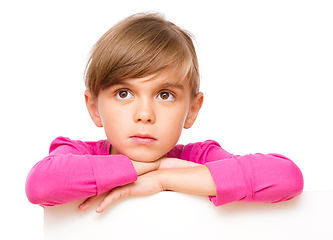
{"x": 76, "y": 170}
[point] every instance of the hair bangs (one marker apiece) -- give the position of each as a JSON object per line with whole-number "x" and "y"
{"x": 139, "y": 46}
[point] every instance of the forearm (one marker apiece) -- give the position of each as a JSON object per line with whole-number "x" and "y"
{"x": 255, "y": 178}
{"x": 67, "y": 178}
{"x": 192, "y": 180}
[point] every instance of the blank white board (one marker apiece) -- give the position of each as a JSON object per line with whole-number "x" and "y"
{"x": 170, "y": 215}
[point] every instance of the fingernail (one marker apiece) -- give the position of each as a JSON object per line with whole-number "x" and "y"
{"x": 97, "y": 210}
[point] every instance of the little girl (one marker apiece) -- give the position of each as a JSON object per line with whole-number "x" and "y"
{"x": 142, "y": 83}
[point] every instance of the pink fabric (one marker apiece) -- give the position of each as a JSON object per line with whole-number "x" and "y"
{"x": 76, "y": 170}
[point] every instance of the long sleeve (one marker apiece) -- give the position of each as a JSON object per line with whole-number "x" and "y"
{"x": 75, "y": 170}
{"x": 256, "y": 177}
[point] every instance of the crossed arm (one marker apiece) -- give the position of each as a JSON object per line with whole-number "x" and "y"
{"x": 163, "y": 175}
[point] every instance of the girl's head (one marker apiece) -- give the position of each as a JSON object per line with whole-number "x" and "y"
{"x": 141, "y": 45}
{"x": 142, "y": 84}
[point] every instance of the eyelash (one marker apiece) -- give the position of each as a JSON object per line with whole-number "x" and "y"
{"x": 122, "y": 90}
{"x": 172, "y": 94}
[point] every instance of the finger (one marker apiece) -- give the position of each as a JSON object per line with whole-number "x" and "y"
{"x": 89, "y": 202}
{"x": 112, "y": 196}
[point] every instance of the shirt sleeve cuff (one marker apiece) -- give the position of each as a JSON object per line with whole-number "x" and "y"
{"x": 229, "y": 181}
{"x": 112, "y": 171}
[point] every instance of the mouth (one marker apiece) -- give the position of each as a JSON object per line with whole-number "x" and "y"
{"x": 143, "y": 139}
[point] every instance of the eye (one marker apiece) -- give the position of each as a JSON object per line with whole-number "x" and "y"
{"x": 124, "y": 94}
{"x": 166, "y": 96}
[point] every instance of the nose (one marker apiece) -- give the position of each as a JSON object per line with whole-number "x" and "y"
{"x": 144, "y": 112}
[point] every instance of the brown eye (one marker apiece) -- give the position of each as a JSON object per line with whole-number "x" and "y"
{"x": 166, "y": 96}
{"x": 124, "y": 94}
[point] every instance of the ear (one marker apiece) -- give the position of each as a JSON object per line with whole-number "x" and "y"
{"x": 196, "y": 104}
{"x": 91, "y": 103}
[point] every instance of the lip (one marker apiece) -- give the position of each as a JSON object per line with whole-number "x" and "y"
{"x": 143, "y": 139}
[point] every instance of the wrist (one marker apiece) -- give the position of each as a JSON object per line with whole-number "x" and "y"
{"x": 142, "y": 167}
{"x": 192, "y": 180}
{"x": 167, "y": 163}
{"x": 162, "y": 176}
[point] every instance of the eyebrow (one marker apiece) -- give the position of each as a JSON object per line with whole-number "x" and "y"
{"x": 164, "y": 85}
{"x": 172, "y": 85}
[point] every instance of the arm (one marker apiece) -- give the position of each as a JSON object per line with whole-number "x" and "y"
{"x": 150, "y": 181}
{"x": 255, "y": 177}
{"x": 67, "y": 178}
{"x": 193, "y": 180}
{"x": 75, "y": 170}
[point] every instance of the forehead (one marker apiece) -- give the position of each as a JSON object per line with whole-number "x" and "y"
{"x": 163, "y": 79}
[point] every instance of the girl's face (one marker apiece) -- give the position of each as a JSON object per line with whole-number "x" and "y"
{"x": 143, "y": 117}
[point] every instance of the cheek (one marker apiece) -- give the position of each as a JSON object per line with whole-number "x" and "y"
{"x": 178, "y": 116}
{"x": 175, "y": 123}
{"x": 172, "y": 123}
{"x": 113, "y": 120}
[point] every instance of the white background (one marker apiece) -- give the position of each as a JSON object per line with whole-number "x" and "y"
{"x": 267, "y": 73}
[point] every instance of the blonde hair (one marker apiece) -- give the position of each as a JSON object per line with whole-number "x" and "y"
{"x": 138, "y": 46}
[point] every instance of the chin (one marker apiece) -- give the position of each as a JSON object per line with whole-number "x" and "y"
{"x": 145, "y": 157}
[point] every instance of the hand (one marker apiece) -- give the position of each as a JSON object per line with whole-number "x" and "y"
{"x": 162, "y": 163}
{"x": 91, "y": 201}
{"x": 167, "y": 163}
{"x": 145, "y": 185}
{"x": 148, "y": 182}
{"x": 143, "y": 168}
